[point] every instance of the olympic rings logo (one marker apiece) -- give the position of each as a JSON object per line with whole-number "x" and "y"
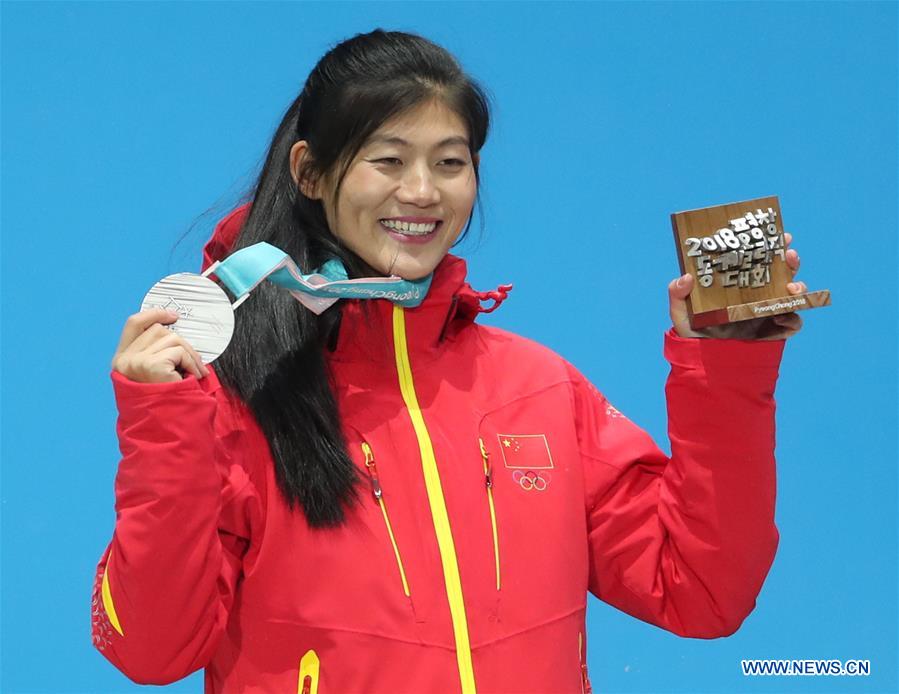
{"x": 532, "y": 480}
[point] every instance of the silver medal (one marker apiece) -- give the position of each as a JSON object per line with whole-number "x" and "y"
{"x": 205, "y": 314}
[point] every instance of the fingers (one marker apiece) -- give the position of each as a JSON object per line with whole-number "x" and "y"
{"x": 180, "y": 356}
{"x": 788, "y": 320}
{"x": 150, "y": 352}
{"x": 139, "y": 322}
{"x": 781, "y": 327}
{"x": 148, "y": 337}
{"x": 792, "y": 258}
{"x": 161, "y": 366}
{"x": 161, "y": 371}
{"x": 796, "y": 287}
{"x": 680, "y": 287}
{"x": 678, "y": 291}
{"x": 158, "y": 337}
{"x": 175, "y": 340}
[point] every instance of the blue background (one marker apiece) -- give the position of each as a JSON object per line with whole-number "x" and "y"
{"x": 126, "y": 125}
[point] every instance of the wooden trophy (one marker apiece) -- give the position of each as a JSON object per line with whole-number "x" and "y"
{"x": 737, "y": 256}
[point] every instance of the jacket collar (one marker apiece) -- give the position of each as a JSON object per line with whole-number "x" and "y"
{"x": 365, "y": 331}
{"x": 367, "y": 325}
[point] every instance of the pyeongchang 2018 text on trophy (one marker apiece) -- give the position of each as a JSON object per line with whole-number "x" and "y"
{"x": 737, "y": 256}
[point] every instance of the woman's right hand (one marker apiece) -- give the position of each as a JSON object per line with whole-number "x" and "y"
{"x": 148, "y": 352}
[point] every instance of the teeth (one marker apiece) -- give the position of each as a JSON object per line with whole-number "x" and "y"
{"x": 408, "y": 228}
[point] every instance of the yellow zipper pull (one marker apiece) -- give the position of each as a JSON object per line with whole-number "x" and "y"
{"x": 376, "y": 490}
{"x": 372, "y": 470}
{"x": 488, "y": 476}
{"x": 309, "y": 673}
{"x": 488, "y": 469}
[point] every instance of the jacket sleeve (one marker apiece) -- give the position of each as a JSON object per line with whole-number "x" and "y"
{"x": 184, "y": 510}
{"x": 685, "y": 542}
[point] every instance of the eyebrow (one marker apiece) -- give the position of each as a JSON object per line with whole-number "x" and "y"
{"x": 394, "y": 140}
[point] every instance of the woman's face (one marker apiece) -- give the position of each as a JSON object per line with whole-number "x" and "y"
{"x": 407, "y": 194}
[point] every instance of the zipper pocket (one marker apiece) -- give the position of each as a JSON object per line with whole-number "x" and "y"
{"x": 586, "y": 688}
{"x": 308, "y": 681}
{"x": 488, "y": 477}
{"x": 379, "y": 498}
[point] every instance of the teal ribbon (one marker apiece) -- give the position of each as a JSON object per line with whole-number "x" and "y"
{"x": 243, "y": 271}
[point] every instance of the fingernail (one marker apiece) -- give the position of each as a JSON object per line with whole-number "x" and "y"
{"x": 680, "y": 281}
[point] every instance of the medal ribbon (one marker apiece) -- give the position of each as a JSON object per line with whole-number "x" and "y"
{"x": 243, "y": 271}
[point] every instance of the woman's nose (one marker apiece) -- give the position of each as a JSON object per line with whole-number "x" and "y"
{"x": 418, "y": 187}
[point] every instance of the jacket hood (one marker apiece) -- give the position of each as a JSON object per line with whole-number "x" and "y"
{"x": 451, "y": 301}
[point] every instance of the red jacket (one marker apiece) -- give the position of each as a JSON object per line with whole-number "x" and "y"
{"x": 510, "y": 487}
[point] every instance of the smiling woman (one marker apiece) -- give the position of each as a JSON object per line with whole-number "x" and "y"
{"x": 406, "y": 195}
{"x": 385, "y": 498}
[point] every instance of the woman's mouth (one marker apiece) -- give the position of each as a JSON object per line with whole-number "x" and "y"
{"x": 411, "y": 232}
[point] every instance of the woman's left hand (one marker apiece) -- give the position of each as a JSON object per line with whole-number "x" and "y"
{"x": 773, "y": 328}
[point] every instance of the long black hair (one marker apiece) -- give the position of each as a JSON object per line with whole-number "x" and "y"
{"x": 276, "y": 361}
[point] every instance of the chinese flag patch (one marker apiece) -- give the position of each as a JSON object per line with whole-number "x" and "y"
{"x": 529, "y": 451}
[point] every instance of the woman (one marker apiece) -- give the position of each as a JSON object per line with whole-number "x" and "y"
{"x": 389, "y": 499}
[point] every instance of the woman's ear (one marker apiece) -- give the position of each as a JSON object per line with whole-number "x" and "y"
{"x": 298, "y": 154}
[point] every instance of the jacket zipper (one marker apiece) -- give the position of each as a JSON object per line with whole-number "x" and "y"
{"x": 309, "y": 666}
{"x": 585, "y": 680}
{"x": 488, "y": 475}
{"x": 437, "y": 503}
{"x": 379, "y": 497}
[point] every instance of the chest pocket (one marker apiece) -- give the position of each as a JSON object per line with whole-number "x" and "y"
{"x": 378, "y": 494}
{"x": 534, "y": 492}
{"x": 394, "y": 540}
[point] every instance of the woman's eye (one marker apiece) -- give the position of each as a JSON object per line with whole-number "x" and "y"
{"x": 395, "y": 161}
